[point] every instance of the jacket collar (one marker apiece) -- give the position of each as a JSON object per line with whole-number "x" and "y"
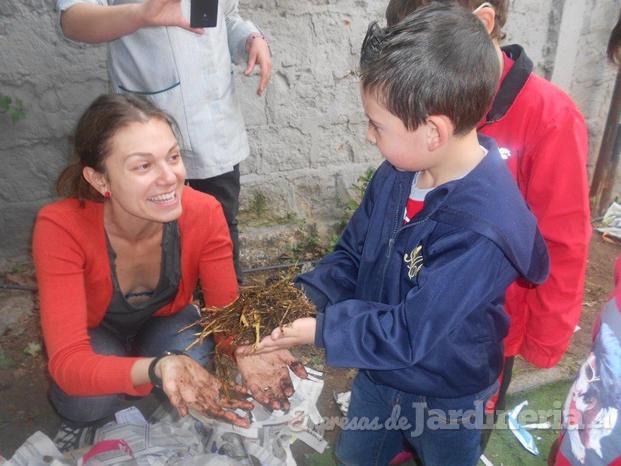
{"x": 511, "y": 85}
{"x": 487, "y": 164}
{"x": 436, "y": 198}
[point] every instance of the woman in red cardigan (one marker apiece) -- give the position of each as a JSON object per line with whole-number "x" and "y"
{"x": 117, "y": 262}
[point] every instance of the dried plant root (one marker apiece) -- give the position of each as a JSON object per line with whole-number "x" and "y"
{"x": 258, "y": 310}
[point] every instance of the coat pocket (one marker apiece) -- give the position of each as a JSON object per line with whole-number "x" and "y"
{"x": 143, "y": 62}
{"x": 468, "y": 410}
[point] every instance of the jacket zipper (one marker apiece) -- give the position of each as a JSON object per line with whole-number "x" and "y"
{"x": 391, "y": 242}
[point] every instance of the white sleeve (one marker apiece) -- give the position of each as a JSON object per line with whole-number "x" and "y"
{"x": 237, "y": 30}
{"x": 62, "y": 5}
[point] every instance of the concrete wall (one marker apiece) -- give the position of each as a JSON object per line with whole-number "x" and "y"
{"x": 306, "y": 133}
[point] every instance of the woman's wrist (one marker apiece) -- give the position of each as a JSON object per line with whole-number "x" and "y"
{"x": 155, "y": 372}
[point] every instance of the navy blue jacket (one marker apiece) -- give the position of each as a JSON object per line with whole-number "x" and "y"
{"x": 420, "y": 306}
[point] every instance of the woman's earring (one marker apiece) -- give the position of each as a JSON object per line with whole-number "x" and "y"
{"x": 107, "y": 195}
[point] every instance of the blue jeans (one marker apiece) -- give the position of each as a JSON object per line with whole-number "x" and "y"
{"x": 443, "y": 431}
{"x": 156, "y": 336}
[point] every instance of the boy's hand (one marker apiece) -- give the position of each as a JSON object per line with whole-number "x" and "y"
{"x": 298, "y": 332}
{"x": 267, "y": 377}
{"x": 259, "y": 54}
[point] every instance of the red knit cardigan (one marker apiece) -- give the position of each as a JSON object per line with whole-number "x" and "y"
{"x": 75, "y": 285}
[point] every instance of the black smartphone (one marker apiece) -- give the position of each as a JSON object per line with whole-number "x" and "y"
{"x": 204, "y": 13}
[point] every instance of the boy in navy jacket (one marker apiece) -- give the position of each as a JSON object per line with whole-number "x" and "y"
{"x": 543, "y": 139}
{"x": 413, "y": 293}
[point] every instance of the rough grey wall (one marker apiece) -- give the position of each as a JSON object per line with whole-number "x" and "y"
{"x": 593, "y": 77}
{"x": 55, "y": 82}
{"x": 306, "y": 133}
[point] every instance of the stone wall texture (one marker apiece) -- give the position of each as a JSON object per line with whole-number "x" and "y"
{"x": 308, "y": 131}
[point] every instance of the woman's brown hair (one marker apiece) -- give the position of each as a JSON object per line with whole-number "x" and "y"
{"x": 91, "y": 141}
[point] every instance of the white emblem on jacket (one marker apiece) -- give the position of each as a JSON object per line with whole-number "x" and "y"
{"x": 504, "y": 153}
{"x": 414, "y": 261}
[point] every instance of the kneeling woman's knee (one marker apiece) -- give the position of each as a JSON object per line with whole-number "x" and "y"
{"x": 83, "y": 409}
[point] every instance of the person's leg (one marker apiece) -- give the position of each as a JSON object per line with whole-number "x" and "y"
{"x": 160, "y": 334}
{"x": 498, "y": 402}
{"x": 84, "y": 410}
{"x": 454, "y": 422}
{"x": 364, "y": 440}
{"x": 505, "y": 380}
{"x": 225, "y": 188}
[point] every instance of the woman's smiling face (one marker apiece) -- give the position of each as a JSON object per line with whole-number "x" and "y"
{"x": 144, "y": 172}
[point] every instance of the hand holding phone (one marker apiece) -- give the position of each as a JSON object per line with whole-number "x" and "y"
{"x": 203, "y": 13}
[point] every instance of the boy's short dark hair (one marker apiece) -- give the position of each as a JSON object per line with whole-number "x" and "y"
{"x": 438, "y": 61}
{"x": 399, "y": 9}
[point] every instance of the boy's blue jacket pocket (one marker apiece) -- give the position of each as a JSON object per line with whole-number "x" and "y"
{"x": 421, "y": 305}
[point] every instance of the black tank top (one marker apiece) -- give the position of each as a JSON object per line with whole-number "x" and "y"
{"x": 125, "y": 319}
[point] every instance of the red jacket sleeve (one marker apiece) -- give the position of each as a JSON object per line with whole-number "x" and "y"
{"x": 557, "y": 193}
{"x": 60, "y": 262}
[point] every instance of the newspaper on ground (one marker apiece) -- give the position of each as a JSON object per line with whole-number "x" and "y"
{"x": 612, "y": 222}
{"x": 37, "y": 450}
{"x": 131, "y": 415}
{"x": 271, "y": 433}
{"x": 538, "y": 426}
{"x": 343, "y": 400}
{"x": 193, "y": 440}
{"x": 523, "y": 436}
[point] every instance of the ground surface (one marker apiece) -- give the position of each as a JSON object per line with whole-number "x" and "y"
{"x": 23, "y": 380}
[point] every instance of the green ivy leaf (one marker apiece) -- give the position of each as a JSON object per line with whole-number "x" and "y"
{"x": 33, "y": 349}
{"x": 5, "y": 102}
{"x": 14, "y": 108}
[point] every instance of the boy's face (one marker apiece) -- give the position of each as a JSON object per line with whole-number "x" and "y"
{"x": 406, "y": 149}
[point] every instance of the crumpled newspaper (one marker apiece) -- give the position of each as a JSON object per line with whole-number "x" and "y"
{"x": 342, "y": 400}
{"x": 192, "y": 440}
{"x": 612, "y": 221}
{"x": 524, "y": 437}
{"x": 37, "y": 450}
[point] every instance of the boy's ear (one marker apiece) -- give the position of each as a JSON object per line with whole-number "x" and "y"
{"x": 439, "y": 130}
{"x": 95, "y": 179}
{"x": 487, "y": 15}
